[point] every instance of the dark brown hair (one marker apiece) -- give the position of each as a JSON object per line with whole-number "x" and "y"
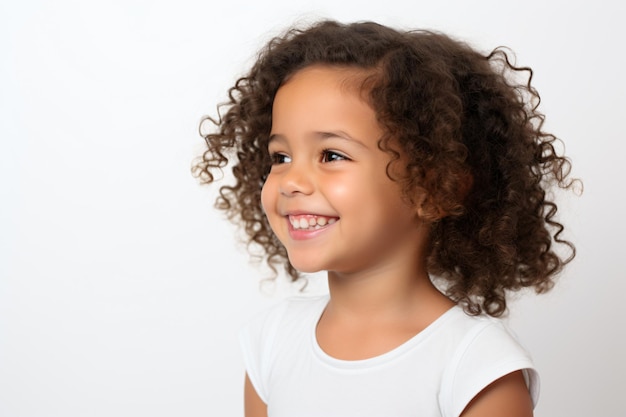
{"x": 468, "y": 127}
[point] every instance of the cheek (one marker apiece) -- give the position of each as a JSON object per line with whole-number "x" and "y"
{"x": 339, "y": 191}
{"x": 345, "y": 186}
{"x": 269, "y": 196}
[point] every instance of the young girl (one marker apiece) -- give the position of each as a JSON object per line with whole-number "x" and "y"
{"x": 394, "y": 161}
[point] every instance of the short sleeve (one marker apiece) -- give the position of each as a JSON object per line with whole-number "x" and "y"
{"x": 256, "y": 340}
{"x": 488, "y": 352}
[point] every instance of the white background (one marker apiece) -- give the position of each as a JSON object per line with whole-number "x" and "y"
{"x": 121, "y": 289}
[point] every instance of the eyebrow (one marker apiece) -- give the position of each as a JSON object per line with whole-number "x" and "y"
{"x": 323, "y": 135}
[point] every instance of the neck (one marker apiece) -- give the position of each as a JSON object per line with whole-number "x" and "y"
{"x": 391, "y": 292}
{"x": 393, "y": 289}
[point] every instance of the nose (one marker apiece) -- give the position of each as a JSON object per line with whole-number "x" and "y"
{"x": 296, "y": 179}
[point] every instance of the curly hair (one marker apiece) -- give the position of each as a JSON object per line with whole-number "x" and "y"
{"x": 466, "y": 124}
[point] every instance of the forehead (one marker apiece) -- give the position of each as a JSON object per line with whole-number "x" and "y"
{"x": 323, "y": 99}
{"x": 321, "y": 88}
{"x": 346, "y": 79}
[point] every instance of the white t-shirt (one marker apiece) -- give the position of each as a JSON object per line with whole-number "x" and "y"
{"x": 435, "y": 373}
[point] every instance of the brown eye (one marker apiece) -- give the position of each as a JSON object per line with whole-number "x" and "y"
{"x": 332, "y": 156}
{"x": 279, "y": 158}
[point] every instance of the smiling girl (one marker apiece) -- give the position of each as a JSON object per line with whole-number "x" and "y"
{"x": 393, "y": 161}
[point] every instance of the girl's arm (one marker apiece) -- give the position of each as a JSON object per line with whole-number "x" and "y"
{"x": 507, "y": 396}
{"x": 253, "y": 404}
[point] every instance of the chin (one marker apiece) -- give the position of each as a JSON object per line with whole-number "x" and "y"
{"x": 307, "y": 269}
{"x": 306, "y": 266}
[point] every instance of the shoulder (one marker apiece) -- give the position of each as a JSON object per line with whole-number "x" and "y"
{"x": 507, "y": 396}
{"x": 279, "y": 326}
{"x": 288, "y": 310}
{"x": 487, "y": 351}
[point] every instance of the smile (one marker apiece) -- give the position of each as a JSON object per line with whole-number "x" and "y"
{"x": 310, "y": 222}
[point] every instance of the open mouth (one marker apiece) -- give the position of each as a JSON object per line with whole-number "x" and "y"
{"x": 310, "y": 222}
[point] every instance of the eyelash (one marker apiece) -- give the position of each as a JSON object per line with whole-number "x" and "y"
{"x": 278, "y": 158}
{"x": 327, "y": 152}
{"x": 327, "y": 155}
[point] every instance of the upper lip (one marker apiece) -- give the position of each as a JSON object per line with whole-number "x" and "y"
{"x": 307, "y": 213}
{"x": 308, "y": 221}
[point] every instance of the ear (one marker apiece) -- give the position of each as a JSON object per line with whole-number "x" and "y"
{"x": 430, "y": 212}
{"x": 419, "y": 207}
{"x": 425, "y": 208}
{"x": 428, "y": 208}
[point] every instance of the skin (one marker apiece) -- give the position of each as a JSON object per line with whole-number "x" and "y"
{"x": 327, "y": 165}
{"x": 324, "y": 142}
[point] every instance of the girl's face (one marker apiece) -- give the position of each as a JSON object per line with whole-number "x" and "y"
{"x": 328, "y": 197}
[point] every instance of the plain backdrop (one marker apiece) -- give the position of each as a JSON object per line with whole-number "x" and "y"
{"x": 122, "y": 289}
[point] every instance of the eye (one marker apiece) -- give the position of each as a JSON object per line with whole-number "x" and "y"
{"x": 279, "y": 158}
{"x": 332, "y": 156}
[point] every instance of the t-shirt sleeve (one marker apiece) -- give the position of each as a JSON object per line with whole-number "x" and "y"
{"x": 256, "y": 339}
{"x": 487, "y": 353}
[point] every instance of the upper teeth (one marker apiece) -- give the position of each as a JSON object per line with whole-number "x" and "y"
{"x": 310, "y": 222}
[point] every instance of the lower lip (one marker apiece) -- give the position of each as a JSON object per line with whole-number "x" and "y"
{"x": 303, "y": 234}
